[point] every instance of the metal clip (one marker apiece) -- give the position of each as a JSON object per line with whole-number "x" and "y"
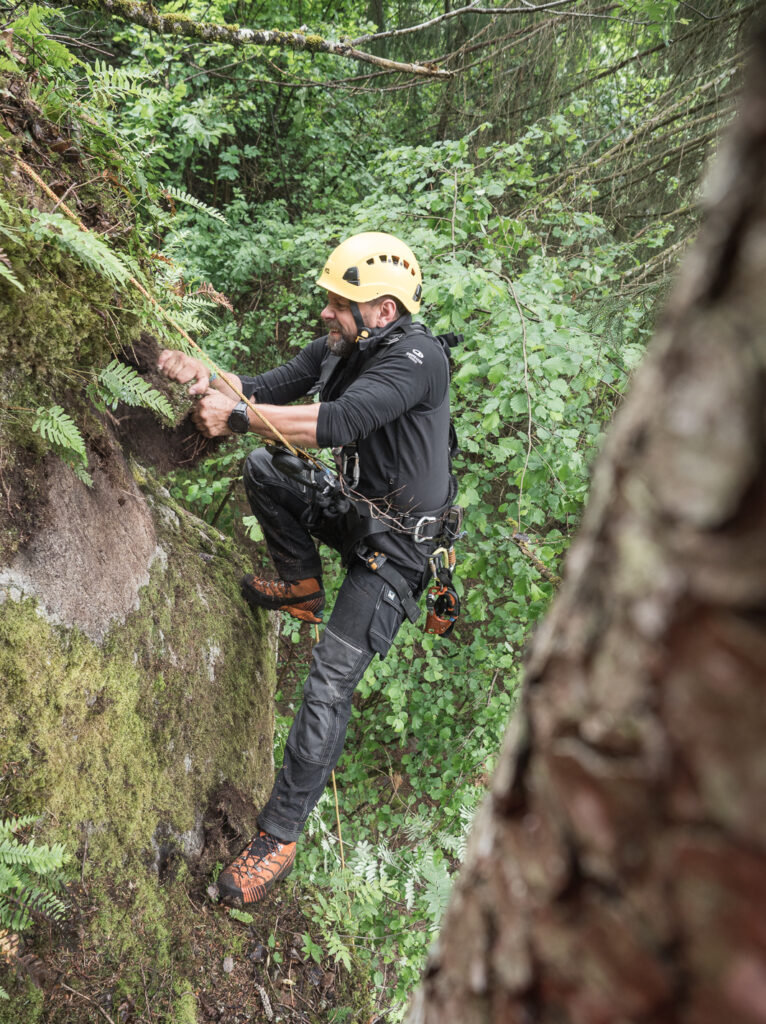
{"x": 353, "y": 460}
{"x": 422, "y": 522}
{"x": 438, "y": 560}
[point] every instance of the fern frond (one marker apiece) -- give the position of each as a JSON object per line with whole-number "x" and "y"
{"x": 108, "y": 84}
{"x": 438, "y": 887}
{"x": 84, "y": 245}
{"x": 9, "y": 214}
{"x": 206, "y": 289}
{"x": 30, "y": 879}
{"x": 191, "y": 324}
{"x": 409, "y": 893}
{"x": 10, "y": 826}
{"x": 59, "y": 429}
{"x": 183, "y": 197}
{"x": 6, "y": 271}
{"x": 195, "y": 301}
{"x": 37, "y": 902}
{"x": 120, "y": 383}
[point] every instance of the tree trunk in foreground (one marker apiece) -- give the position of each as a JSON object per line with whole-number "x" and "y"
{"x": 617, "y": 872}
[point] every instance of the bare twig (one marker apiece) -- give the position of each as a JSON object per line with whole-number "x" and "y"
{"x": 454, "y": 214}
{"x": 522, "y": 543}
{"x": 554, "y": 7}
{"x": 87, "y": 1000}
{"x": 79, "y": 44}
{"x": 146, "y": 993}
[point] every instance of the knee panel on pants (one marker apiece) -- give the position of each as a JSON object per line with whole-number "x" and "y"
{"x": 337, "y": 666}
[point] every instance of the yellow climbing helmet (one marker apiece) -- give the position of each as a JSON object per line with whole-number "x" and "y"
{"x": 371, "y": 265}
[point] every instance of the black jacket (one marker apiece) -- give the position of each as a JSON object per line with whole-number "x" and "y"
{"x": 390, "y": 399}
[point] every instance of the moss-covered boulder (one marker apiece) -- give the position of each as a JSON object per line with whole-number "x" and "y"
{"x": 136, "y": 705}
{"x": 135, "y": 678}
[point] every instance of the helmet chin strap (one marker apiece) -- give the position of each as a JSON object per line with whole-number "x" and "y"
{"x": 362, "y": 330}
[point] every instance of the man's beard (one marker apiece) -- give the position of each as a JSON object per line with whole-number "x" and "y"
{"x": 340, "y": 346}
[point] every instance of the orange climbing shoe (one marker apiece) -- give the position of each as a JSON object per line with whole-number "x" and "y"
{"x": 303, "y": 599}
{"x": 247, "y": 879}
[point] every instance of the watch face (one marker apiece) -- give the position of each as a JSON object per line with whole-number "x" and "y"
{"x": 239, "y": 421}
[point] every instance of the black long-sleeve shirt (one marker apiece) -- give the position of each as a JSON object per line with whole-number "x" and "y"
{"x": 389, "y": 398}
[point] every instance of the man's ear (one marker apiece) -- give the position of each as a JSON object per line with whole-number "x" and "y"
{"x": 387, "y": 312}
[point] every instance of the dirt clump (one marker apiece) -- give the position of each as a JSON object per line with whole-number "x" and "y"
{"x": 141, "y": 433}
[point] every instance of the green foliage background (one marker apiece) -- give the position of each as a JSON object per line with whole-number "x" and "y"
{"x": 548, "y": 188}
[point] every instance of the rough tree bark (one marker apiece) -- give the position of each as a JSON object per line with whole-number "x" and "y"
{"x": 617, "y": 872}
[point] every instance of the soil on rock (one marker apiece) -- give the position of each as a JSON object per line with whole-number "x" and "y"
{"x": 140, "y": 432}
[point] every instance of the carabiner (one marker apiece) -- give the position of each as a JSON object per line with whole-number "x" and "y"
{"x": 438, "y": 560}
{"x": 423, "y": 521}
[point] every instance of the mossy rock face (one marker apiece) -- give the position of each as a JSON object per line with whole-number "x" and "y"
{"x": 135, "y": 678}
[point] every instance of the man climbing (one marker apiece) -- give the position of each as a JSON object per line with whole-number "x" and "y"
{"x": 383, "y": 388}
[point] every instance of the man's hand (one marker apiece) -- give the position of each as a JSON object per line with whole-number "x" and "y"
{"x": 211, "y": 414}
{"x": 183, "y": 368}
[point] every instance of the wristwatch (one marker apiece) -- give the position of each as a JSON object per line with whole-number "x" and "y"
{"x": 239, "y": 421}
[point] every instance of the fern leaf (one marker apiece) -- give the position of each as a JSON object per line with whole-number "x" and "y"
{"x": 10, "y": 826}
{"x": 409, "y": 893}
{"x": 60, "y": 430}
{"x": 84, "y": 245}
{"x": 37, "y": 902}
{"x": 183, "y": 197}
{"x": 7, "y": 274}
{"x": 120, "y": 383}
{"x": 208, "y": 291}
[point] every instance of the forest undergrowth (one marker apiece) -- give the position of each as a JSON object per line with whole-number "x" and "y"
{"x": 548, "y": 188}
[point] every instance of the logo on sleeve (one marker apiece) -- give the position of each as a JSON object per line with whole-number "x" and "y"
{"x": 415, "y": 356}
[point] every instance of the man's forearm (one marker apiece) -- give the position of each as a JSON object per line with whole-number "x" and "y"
{"x": 296, "y": 423}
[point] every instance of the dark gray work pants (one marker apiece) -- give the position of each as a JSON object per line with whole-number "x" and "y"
{"x": 364, "y": 622}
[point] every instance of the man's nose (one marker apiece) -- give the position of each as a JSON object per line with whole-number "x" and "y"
{"x": 327, "y": 313}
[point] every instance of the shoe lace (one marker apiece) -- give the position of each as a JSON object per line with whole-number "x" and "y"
{"x": 277, "y": 588}
{"x": 261, "y": 847}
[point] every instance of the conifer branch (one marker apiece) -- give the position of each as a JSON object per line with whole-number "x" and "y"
{"x": 140, "y": 13}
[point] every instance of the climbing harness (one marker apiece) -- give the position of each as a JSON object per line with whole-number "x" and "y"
{"x": 443, "y": 528}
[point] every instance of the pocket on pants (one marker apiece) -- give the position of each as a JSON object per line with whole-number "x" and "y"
{"x": 386, "y": 621}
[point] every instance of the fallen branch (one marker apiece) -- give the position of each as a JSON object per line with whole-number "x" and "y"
{"x": 145, "y": 14}
{"x": 521, "y": 540}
